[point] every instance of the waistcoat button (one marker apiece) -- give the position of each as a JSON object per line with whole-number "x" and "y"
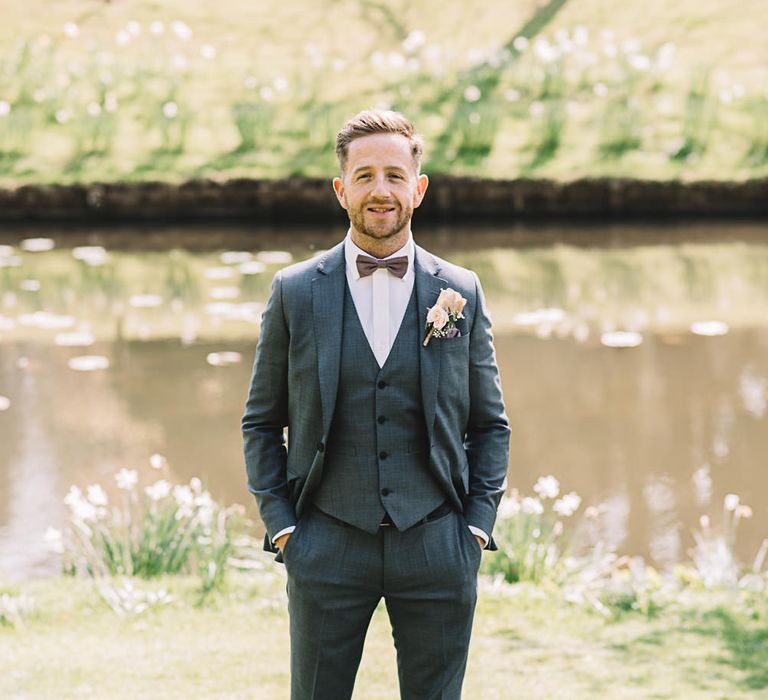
{"x": 381, "y": 419}
{"x": 381, "y": 384}
{"x": 383, "y": 455}
{"x": 385, "y": 492}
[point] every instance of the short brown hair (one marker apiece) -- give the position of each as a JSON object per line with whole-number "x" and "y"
{"x": 378, "y": 121}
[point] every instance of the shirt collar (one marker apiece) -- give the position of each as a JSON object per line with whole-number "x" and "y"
{"x": 351, "y": 251}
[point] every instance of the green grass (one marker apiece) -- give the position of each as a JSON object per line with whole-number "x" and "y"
{"x": 527, "y": 643}
{"x": 703, "y": 116}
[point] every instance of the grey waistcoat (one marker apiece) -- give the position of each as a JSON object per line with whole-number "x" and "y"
{"x": 377, "y": 454}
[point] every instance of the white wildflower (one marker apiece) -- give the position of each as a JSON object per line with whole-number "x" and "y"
{"x": 547, "y": 487}
{"x": 731, "y": 501}
{"x": 508, "y": 508}
{"x": 183, "y": 495}
{"x": 127, "y": 479}
{"x": 71, "y": 30}
{"x": 160, "y": 489}
{"x": 532, "y": 506}
{"x": 73, "y": 495}
{"x": 97, "y": 495}
{"x": 472, "y": 93}
{"x": 520, "y": 43}
{"x": 414, "y": 40}
{"x": 157, "y": 28}
{"x": 181, "y": 30}
{"x": 157, "y": 461}
{"x": 5, "y": 108}
{"x": 208, "y": 51}
{"x": 567, "y": 505}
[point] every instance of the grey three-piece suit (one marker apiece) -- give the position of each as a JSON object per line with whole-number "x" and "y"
{"x": 420, "y": 443}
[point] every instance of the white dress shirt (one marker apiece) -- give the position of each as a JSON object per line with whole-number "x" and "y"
{"x": 380, "y": 299}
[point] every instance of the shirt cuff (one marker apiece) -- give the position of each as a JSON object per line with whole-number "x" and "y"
{"x": 480, "y": 533}
{"x": 282, "y": 532}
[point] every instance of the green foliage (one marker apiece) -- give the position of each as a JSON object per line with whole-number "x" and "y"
{"x": 699, "y": 121}
{"x": 167, "y": 530}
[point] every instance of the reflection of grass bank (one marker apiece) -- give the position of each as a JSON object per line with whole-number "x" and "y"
{"x": 525, "y": 645}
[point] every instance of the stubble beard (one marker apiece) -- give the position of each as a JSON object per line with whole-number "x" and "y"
{"x": 378, "y": 236}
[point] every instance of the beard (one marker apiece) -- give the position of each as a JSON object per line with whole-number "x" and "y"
{"x": 380, "y": 230}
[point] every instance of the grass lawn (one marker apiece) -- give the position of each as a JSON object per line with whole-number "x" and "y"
{"x": 140, "y": 90}
{"x": 527, "y": 643}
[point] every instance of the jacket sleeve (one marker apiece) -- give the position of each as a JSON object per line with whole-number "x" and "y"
{"x": 486, "y": 441}
{"x": 266, "y": 415}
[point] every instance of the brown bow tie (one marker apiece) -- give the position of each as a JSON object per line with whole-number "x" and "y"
{"x": 367, "y": 265}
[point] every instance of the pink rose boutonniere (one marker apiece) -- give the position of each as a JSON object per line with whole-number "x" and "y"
{"x": 442, "y": 317}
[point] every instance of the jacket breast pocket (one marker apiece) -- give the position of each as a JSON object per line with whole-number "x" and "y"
{"x": 453, "y": 345}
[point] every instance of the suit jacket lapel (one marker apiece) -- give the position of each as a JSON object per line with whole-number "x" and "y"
{"x": 428, "y": 286}
{"x": 327, "y": 305}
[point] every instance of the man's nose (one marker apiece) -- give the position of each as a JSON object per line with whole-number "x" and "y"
{"x": 380, "y": 187}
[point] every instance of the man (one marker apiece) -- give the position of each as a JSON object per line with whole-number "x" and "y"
{"x": 397, "y": 442}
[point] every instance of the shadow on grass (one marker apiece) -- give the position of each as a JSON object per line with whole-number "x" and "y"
{"x": 748, "y": 647}
{"x": 744, "y": 646}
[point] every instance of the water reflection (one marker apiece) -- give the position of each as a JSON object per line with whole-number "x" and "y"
{"x": 637, "y": 374}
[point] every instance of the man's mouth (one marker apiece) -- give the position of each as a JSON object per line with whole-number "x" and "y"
{"x": 380, "y": 210}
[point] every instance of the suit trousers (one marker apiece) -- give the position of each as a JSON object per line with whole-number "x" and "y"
{"x": 337, "y": 574}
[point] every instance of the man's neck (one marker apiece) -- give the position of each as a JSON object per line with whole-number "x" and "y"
{"x": 380, "y": 248}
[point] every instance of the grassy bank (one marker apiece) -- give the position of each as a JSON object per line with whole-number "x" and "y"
{"x": 93, "y": 91}
{"x": 527, "y": 643}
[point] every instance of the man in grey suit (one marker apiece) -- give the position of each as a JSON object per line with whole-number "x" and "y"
{"x": 397, "y": 438}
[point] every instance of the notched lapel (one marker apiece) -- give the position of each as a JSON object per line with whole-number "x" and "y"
{"x": 327, "y": 305}
{"x": 428, "y": 286}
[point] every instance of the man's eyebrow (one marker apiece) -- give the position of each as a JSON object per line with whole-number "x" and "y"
{"x": 368, "y": 167}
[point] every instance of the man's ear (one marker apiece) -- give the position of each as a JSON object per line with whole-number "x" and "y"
{"x": 422, "y": 183}
{"x": 338, "y": 188}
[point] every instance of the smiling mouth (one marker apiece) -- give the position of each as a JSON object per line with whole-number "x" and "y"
{"x": 380, "y": 210}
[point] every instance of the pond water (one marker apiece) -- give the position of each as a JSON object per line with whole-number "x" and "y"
{"x": 120, "y": 344}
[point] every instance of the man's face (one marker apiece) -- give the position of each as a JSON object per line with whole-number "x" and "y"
{"x": 380, "y": 187}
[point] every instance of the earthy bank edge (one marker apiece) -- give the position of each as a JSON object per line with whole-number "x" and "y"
{"x": 311, "y": 200}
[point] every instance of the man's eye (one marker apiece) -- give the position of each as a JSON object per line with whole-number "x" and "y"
{"x": 397, "y": 177}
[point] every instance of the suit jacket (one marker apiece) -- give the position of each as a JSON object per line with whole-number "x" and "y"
{"x": 295, "y": 380}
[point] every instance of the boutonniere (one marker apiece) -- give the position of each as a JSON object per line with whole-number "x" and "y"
{"x": 442, "y": 317}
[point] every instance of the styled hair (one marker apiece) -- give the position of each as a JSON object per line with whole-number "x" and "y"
{"x": 378, "y": 121}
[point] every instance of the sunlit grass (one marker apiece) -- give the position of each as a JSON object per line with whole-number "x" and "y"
{"x": 237, "y": 647}
{"x": 130, "y": 93}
